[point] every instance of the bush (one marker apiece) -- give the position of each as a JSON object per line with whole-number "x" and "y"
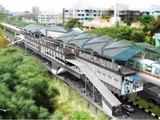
{"x": 81, "y": 116}
{"x": 72, "y": 23}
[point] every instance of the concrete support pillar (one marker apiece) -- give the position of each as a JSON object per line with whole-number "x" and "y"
{"x": 93, "y": 94}
{"x": 112, "y": 63}
{"x": 85, "y": 87}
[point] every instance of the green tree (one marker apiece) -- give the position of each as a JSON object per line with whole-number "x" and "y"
{"x": 122, "y": 32}
{"x": 155, "y": 27}
{"x": 26, "y": 92}
{"x": 137, "y": 36}
{"x": 146, "y": 20}
{"x": 3, "y": 41}
{"x": 72, "y": 23}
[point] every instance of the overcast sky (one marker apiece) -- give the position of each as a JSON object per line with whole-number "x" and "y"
{"x": 57, "y": 5}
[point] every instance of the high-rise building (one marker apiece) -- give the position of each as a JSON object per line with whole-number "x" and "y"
{"x": 35, "y": 10}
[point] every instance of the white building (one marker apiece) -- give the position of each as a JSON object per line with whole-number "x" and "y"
{"x": 82, "y": 14}
{"x": 155, "y": 13}
{"x": 49, "y": 19}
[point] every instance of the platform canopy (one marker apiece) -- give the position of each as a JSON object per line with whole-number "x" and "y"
{"x": 121, "y": 50}
{"x": 43, "y": 29}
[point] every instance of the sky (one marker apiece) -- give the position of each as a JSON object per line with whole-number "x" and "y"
{"x": 57, "y": 5}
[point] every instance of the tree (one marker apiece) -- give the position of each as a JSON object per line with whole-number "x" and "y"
{"x": 122, "y": 32}
{"x": 146, "y": 20}
{"x": 26, "y": 92}
{"x": 72, "y": 23}
{"x": 155, "y": 27}
{"x": 3, "y": 41}
{"x": 137, "y": 36}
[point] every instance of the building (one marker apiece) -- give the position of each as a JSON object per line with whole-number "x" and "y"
{"x": 35, "y": 10}
{"x": 155, "y": 13}
{"x": 129, "y": 15}
{"x": 49, "y": 19}
{"x": 82, "y": 14}
{"x": 3, "y": 10}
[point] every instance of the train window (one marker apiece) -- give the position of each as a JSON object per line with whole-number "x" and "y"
{"x": 148, "y": 68}
{"x": 157, "y": 71}
{"x": 138, "y": 65}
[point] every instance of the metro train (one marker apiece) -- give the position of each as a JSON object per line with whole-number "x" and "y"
{"x": 146, "y": 65}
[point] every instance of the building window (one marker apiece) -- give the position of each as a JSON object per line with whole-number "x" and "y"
{"x": 66, "y": 10}
{"x": 86, "y": 10}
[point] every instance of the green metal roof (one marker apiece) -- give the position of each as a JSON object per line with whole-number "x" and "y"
{"x": 146, "y": 46}
{"x": 121, "y": 50}
{"x": 40, "y": 28}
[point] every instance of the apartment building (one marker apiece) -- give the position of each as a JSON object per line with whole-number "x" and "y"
{"x": 82, "y": 14}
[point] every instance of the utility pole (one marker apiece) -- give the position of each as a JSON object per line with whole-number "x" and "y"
{"x": 116, "y": 13}
{"x": 63, "y": 16}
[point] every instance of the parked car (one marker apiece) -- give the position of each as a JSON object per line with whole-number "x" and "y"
{"x": 128, "y": 108}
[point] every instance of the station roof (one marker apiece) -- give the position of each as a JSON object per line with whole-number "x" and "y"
{"x": 105, "y": 46}
{"x": 33, "y": 27}
{"x": 42, "y": 29}
{"x": 121, "y": 50}
{"x": 148, "y": 47}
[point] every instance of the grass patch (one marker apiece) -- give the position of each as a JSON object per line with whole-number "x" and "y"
{"x": 70, "y": 101}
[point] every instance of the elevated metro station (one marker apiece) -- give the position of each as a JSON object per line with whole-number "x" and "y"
{"x": 107, "y": 66}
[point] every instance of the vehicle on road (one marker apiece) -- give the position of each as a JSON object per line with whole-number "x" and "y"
{"x": 128, "y": 108}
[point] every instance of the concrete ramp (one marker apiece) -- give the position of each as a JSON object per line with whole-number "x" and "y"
{"x": 110, "y": 100}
